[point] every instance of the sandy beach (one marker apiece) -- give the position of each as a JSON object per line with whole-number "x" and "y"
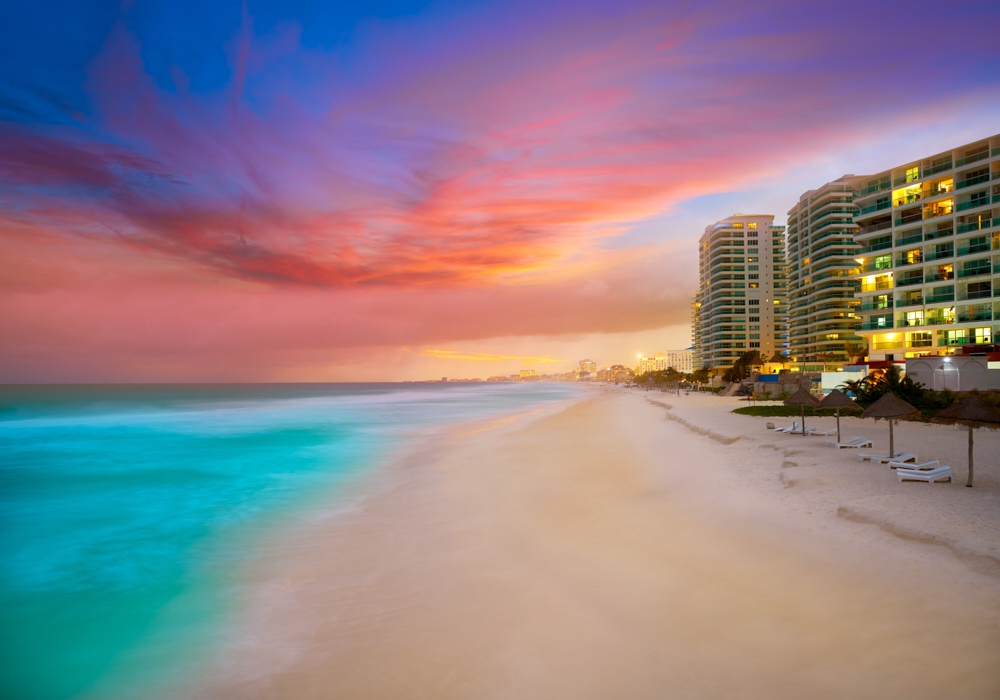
{"x": 634, "y": 545}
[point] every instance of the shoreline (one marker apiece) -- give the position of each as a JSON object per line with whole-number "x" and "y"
{"x": 261, "y": 596}
{"x": 598, "y": 550}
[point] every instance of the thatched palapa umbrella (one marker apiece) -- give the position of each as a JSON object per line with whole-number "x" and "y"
{"x": 890, "y": 407}
{"x": 838, "y": 400}
{"x": 973, "y": 412}
{"x": 802, "y": 398}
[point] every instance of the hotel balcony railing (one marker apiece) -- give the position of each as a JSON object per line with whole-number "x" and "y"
{"x": 909, "y": 219}
{"x": 975, "y": 225}
{"x": 985, "y": 177}
{"x": 982, "y": 202}
{"x": 939, "y": 192}
{"x": 894, "y": 345}
{"x": 717, "y": 249}
{"x": 875, "y": 267}
{"x": 824, "y": 297}
{"x": 979, "y": 294}
{"x": 877, "y": 286}
{"x": 714, "y": 266}
{"x": 834, "y": 222}
{"x": 875, "y": 308}
{"x": 909, "y": 281}
{"x": 910, "y": 322}
{"x": 873, "y": 326}
{"x": 973, "y": 249}
{"x": 996, "y": 151}
{"x": 904, "y": 261}
{"x": 885, "y": 185}
{"x": 915, "y": 301}
{"x": 940, "y": 233}
{"x": 906, "y": 179}
{"x": 939, "y": 320}
{"x": 849, "y": 235}
{"x": 876, "y": 227}
{"x": 935, "y": 276}
{"x": 829, "y": 254}
{"x": 908, "y": 199}
{"x": 874, "y": 207}
{"x": 940, "y": 254}
{"x": 934, "y": 169}
{"x": 975, "y": 316}
{"x": 961, "y": 341}
{"x": 837, "y": 243}
{"x": 831, "y": 212}
{"x": 935, "y": 212}
{"x": 940, "y": 298}
{"x": 843, "y": 271}
{"x": 975, "y": 271}
{"x": 878, "y": 246}
{"x": 982, "y": 155}
{"x": 916, "y": 238}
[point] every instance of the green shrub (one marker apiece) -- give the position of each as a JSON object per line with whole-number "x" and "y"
{"x": 789, "y": 411}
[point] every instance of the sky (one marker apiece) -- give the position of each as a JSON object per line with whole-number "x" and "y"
{"x": 384, "y": 191}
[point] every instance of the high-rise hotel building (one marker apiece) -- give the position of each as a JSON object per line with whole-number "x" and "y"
{"x": 929, "y": 261}
{"x": 821, "y": 277}
{"x": 740, "y": 305}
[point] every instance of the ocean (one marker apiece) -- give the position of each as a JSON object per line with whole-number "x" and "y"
{"x": 127, "y": 511}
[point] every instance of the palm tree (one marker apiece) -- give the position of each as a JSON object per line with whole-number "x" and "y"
{"x": 855, "y": 351}
{"x": 858, "y": 387}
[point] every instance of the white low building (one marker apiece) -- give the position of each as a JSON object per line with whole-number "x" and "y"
{"x": 957, "y": 372}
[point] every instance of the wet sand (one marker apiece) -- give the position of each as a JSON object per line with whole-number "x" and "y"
{"x": 603, "y": 552}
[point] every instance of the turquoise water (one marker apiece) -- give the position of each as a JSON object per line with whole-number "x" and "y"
{"x": 125, "y": 511}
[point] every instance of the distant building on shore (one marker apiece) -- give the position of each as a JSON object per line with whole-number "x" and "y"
{"x": 929, "y": 261}
{"x": 615, "y": 373}
{"x": 741, "y": 304}
{"x": 679, "y": 360}
{"x": 527, "y": 374}
{"x": 821, "y": 283}
{"x": 588, "y": 367}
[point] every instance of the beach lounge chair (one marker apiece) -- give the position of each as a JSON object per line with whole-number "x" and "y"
{"x": 790, "y": 429}
{"x": 930, "y": 476}
{"x": 883, "y": 459}
{"x": 853, "y": 442}
{"x": 821, "y": 433}
{"x": 923, "y": 466}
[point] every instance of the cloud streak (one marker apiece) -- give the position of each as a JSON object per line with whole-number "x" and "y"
{"x": 473, "y": 163}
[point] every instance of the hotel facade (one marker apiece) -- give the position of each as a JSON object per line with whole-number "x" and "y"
{"x": 741, "y": 304}
{"x": 928, "y": 262}
{"x": 822, "y": 280}
{"x": 678, "y": 360}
